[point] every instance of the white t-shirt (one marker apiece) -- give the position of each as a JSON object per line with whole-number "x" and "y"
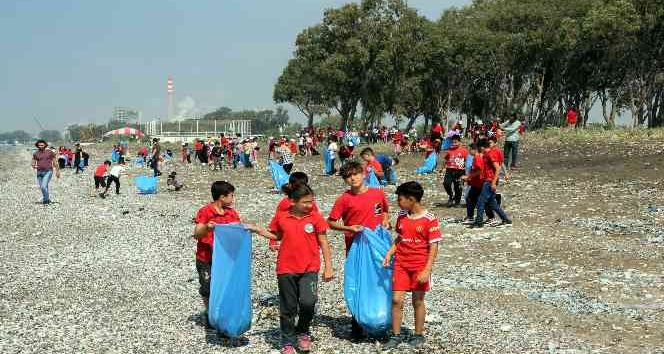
{"x": 116, "y": 170}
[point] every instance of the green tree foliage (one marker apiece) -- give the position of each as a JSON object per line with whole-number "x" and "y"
{"x": 483, "y": 61}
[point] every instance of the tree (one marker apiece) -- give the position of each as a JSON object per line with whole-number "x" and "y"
{"x": 17, "y": 135}
{"x": 298, "y": 86}
{"x": 50, "y": 135}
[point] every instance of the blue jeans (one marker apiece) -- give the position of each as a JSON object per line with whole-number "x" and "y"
{"x": 511, "y": 149}
{"x": 43, "y": 178}
{"x": 486, "y": 199}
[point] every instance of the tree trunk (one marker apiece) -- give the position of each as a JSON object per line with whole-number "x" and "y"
{"x": 411, "y": 122}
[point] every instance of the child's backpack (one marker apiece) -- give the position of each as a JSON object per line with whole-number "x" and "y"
{"x": 367, "y": 284}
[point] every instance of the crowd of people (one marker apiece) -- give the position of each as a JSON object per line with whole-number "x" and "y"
{"x": 298, "y": 230}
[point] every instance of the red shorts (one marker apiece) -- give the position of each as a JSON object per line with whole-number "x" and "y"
{"x": 404, "y": 279}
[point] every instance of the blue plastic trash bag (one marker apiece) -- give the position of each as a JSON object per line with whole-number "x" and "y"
{"x": 429, "y": 164}
{"x": 327, "y": 158}
{"x": 146, "y": 184}
{"x": 81, "y": 164}
{"x": 229, "y": 309}
{"x": 367, "y": 284}
{"x": 393, "y": 177}
{"x": 115, "y": 156}
{"x": 279, "y": 175}
{"x": 355, "y": 140}
{"x": 447, "y": 143}
{"x": 372, "y": 181}
{"x": 139, "y": 161}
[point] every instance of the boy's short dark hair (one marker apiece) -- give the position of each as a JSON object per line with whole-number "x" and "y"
{"x": 456, "y": 137}
{"x": 411, "y": 189}
{"x": 367, "y": 151}
{"x": 472, "y": 146}
{"x": 298, "y": 177}
{"x": 483, "y": 143}
{"x": 221, "y": 188}
{"x": 493, "y": 138}
{"x": 350, "y": 169}
{"x": 107, "y": 162}
{"x": 41, "y": 141}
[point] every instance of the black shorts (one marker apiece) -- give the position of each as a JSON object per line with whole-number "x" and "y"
{"x": 204, "y": 276}
{"x": 100, "y": 181}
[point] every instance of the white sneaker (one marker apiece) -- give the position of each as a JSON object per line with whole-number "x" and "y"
{"x": 467, "y": 221}
{"x": 493, "y": 222}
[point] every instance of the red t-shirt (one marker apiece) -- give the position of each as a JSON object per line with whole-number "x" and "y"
{"x": 490, "y": 156}
{"x": 283, "y": 207}
{"x": 300, "y": 250}
{"x": 437, "y": 129}
{"x": 100, "y": 170}
{"x": 571, "y": 117}
{"x": 375, "y": 166}
{"x": 205, "y": 215}
{"x": 397, "y": 137}
{"x": 478, "y": 166}
{"x": 456, "y": 158}
{"x": 415, "y": 236}
{"x": 367, "y": 209}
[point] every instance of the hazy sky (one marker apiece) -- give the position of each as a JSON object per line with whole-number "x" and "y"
{"x": 70, "y": 61}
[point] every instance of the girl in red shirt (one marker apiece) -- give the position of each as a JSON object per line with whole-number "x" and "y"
{"x": 302, "y": 233}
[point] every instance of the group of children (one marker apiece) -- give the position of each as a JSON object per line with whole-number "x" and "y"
{"x": 300, "y": 233}
{"x": 105, "y": 174}
{"x": 480, "y": 168}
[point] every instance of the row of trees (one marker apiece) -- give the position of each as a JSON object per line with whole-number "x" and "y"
{"x": 262, "y": 121}
{"x": 483, "y": 61}
{"x": 24, "y": 137}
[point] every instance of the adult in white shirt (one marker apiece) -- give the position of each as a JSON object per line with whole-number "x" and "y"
{"x": 332, "y": 149}
{"x": 512, "y": 138}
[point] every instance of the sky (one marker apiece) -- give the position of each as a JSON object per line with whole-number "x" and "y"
{"x": 72, "y": 61}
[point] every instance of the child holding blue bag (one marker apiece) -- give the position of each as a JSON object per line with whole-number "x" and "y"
{"x": 415, "y": 250}
{"x": 302, "y": 232}
{"x": 219, "y": 211}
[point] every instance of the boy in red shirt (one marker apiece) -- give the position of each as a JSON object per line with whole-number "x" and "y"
{"x": 100, "y": 175}
{"x": 492, "y": 158}
{"x": 302, "y": 232}
{"x": 358, "y": 207}
{"x": 369, "y": 157}
{"x": 475, "y": 181}
{"x": 455, "y": 166}
{"x": 219, "y": 211}
{"x": 415, "y": 250}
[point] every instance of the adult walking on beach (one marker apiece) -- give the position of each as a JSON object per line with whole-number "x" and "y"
{"x": 156, "y": 155}
{"x": 512, "y": 138}
{"x": 43, "y": 160}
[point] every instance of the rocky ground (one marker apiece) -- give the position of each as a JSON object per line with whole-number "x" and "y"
{"x": 581, "y": 271}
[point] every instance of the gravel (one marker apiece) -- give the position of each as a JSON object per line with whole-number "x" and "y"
{"x": 117, "y": 275}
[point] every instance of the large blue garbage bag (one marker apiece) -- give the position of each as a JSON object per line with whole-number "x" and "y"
{"x": 447, "y": 143}
{"x": 372, "y": 181}
{"x": 229, "y": 309}
{"x": 139, "y": 161}
{"x": 429, "y": 164}
{"x": 146, "y": 184}
{"x": 327, "y": 159}
{"x": 115, "y": 156}
{"x": 367, "y": 284}
{"x": 279, "y": 175}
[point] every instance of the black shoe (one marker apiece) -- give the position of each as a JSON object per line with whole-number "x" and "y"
{"x": 356, "y": 332}
{"x": 46, "y": 202}
{"x": 416, "y": 340}
{"x": 450, "y": 203}
{"x": 506, "y": 223}
{"x": 475, "y": 226}
{"x": 102, "y": 195}
{"x": 392, "y": 342}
